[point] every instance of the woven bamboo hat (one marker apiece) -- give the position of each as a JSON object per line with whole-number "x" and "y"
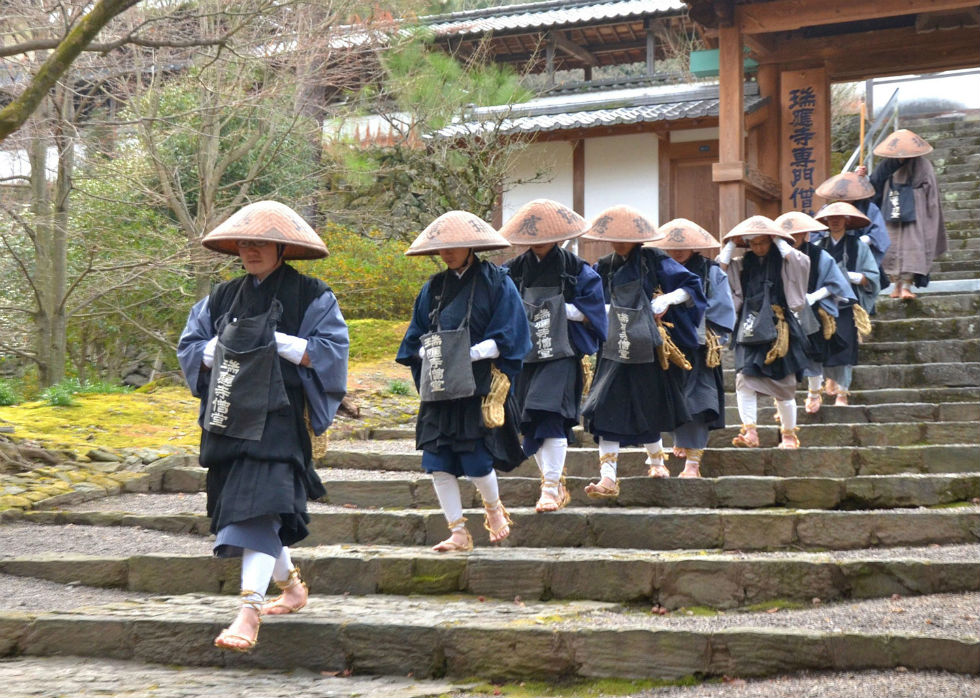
{"x": 847, "y": 186}
{"x": 542, "y": 221}
{"x": 682, "y": 234}
{"x": 798, "y": 222}
{"x": 752, "y": 226}
{"x": 621, "y": 224}
{"x": 457, "y": 229}
{"x": 272, "y": 222}
{"x": 853, "y": 218}
{"x": 902, "y": 144}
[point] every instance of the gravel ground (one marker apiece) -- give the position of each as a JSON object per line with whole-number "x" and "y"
{"x": 18, "y": 540}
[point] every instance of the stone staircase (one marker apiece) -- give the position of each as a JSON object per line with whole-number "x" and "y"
{"x": 773, "y": 563}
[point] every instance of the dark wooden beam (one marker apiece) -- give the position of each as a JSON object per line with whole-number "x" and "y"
{"x": 578, "y": 176}
{"x": 572, "y": 49}
{"x": 787, "y": 15}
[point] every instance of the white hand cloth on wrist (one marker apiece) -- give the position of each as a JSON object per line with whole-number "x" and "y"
{"x": 208, "y": 358}
{"x": 817, "y": 295}
{"x": 573, "y": 313}
{"x": 866, "y": 239}
{"x": 660, "y": 304}
{"x": 784, "y": 247}
{"x": 422, "y": 352}
{"x": 290, "y": 348}
{"x": 487, "y": 349}
{"x": 726, "y": 253}
{"x": 855, "y": 277}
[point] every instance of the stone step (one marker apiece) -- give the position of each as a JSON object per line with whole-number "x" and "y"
{"x": 916, "y": 329}
{"x": 808, "y": 461}
{"x": 828, "y": 414}
{"x": 958, "y": 264}
{"x": 671, "y": 580}
{"x": 464, "y": 636}
{"x": 413, "y": 490}
{"x": 881, "y": 397}
{"x": 970, "y": 242}
{"x": 880, "y": 377}
{"x": 926, "y": 351}
{"x": 951, "y": 276}
{"x": 606, "y": 527}
{"x": 929, "y": 305}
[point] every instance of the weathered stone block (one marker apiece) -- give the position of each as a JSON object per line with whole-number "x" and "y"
{"x": 758, "y": 531}
{"x": 745, "y": 492}
{"x": 811, "y": 493}
{"x": 633, "y": 654}
{"x": 506, "y": 578}
{"x": 834, "y": 530}
{"x": 602, "y": 580}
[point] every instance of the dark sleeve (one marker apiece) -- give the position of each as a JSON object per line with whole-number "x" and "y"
{"x": 884, "y": 169}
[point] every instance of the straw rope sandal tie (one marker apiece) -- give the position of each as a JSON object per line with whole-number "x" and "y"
{"x": 658, "y": 470}
{"x": 606, "y": 488}
{"x": 554, "y": 496}
{"x": 747, "y": 437}
{"x": 278, "y": 606}
{"x": 497, "y": 533}
{"x": 814, "y": 400}
{"x": 247, "y": 643}
{"x": 692, "y": 468}
{"x": 456, "y": 543}
{"x": 789, "y": 438}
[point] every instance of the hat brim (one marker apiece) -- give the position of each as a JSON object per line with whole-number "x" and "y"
{"x": 435, "y": 248}
{"x": 229, "y": 245}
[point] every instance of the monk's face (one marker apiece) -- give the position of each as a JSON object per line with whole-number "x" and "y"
{"x": 456, "y": 258}
{"x": 541, "y": 250}
{"x": 798, "y": 238}
{"x": 260, "y": 258}
{"x": 836, "y": 225}
{"x": 760, "y": 245}
{"x": 680, "y": 256}
{"x": 624, "y": 248}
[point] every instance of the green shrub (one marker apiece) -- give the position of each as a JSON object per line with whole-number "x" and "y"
{"x": 9, "y": 395}
{"x": 399, "y": 387}
{"x": 371, "y": 277}
{"x": 62, "y": 394}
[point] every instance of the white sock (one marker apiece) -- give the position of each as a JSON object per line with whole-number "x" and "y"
{"x": 447, "y": 492}
{"x": 487, "y": 485}
{"x": 747, "y": 406}
{"x": 787, "y": 414}
{"x": 256, "y": 573}
{"x": 607, "y": 469}
{"x": 552, "y": 460}
{"x": 813, "y": 383}
{"x": 284, "y": 564}
{"x": 654, "y": 452}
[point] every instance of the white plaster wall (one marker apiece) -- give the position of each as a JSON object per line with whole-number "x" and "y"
{"x": 694, "y": 134}
{"x": 554, "y": 159}
{"x": 622, "y": 170}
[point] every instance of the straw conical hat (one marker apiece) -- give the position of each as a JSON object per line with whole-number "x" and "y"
{"x": 798, "y": 222}
{"x": 682, "y": 234}
{"x": 542, "y": 221}
{"x": 902, "y": 144}
{"x": 272, "y": 222}
{"x": 848, "y": 186}
{"x": 853, "y": 218}
{"x": 457, "y": 229}
{"x": 756, "y": 225}
{"x": 621, "y": 224}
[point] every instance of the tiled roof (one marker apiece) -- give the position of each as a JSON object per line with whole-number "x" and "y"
{"x": 547, "y": 14}
{"x": 610, "y": 109}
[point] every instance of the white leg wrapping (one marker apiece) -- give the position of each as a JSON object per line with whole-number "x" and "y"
{"x": 447, "y": 492}
{"x": 787, "y": 414}
{"x": 654, "y": 452}
{"x": 608, "y": 469}
{"x": 487, "y": 485}
{"x": 552, "y": 459}
{"x": 256, "y": 572}
{"x": 747, "y": 406}
{"x": 813, "y": 383}
{"x": 284, "y": 563}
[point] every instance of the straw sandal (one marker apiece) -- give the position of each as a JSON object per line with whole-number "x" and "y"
{"x": 830, "y": 387}
{"x": 451, "y": 544}
{"x": 747, "y": 437}
{"x": 814, "y": 401}
{"x": 655, "y": 470}
{"x": 841, "y": 400}
{"x": 503, "y": 530}
{"x": 789, "y": 438}
{"x": 221, "y": 642}
{"x": 692, "y": 468}
{"x": 550, "y": 502}
{"x": 278, "y": 605}
{"x": 606, "y": 488}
